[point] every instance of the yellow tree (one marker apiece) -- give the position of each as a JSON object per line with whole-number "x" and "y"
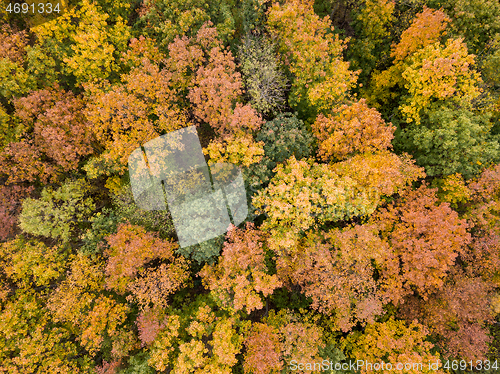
{"x": 31, "y": 338}
{"x": 313, "y": 55}
{"x": 351, "y": 129}
{"x": 394, "y": 343}
{"x": 97, "y": 319}
{"x": 304, "y": 194}
{"x": 439, "y": 74}
{"x": 427, "y": 28}
{"x": 85, "y": 50}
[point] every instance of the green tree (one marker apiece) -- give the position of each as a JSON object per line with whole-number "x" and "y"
{"x": 450, "y": 141}
{"x": 477, "y": 21}
{"x": 283, "y": 136}
{"x": 58, "y": 213}
{"x": 372, "y": 23}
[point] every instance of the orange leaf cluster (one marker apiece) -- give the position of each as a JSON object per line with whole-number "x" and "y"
{"x": 56, "y": 136}
{"x": 335, "y": 270}
{"x": 130, "y": 250}
{"x": 121, "y": 115}
{"x": 217, "y": 86}
{"x": 283, "y": 337}
{"x": 352, "y": 129}
{"x": 427, "y": 27}
{"x": 12, "y": 44}
{"x": 426, "y": 236}
{"x": 240, "y": 280}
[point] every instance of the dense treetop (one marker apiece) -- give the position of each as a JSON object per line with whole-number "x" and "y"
{"x": 368, "y": 136}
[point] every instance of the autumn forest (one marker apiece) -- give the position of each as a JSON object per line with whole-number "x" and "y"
{"x": 367, "y": 133}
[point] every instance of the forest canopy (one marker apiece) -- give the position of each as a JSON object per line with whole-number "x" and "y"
{"x": 367, "y": 134}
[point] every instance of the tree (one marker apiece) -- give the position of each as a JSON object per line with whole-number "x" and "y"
{"x": 239, "y": 149}
{"x": 98, "y": 320}
{"x": 58, "y": 213}
{"x": 130, "y": 250}
{"x": 281, "y": 338}
{"x": 166, "y": 20}
{"x": 152, "y": 99}
{"x": 6, "y": 128}
{"x": 127, "y": 115}
{"x": 10, "y": 206}
{"x": 199, "y": 339}
{"x": 379, "y": 173}
{"x": 335, "y": 269}
{"x": 303, "y": 191}
{"x": 304, "y": 194}
{"x": 396, "y": 343}
{"x": 313, "y": 56}
{"x": 241, "y": 280}
{"x": 126, "y": 210}
{"x": 437, "y": 74}
{"x": 452, "y": 190}
{"x": 31, "y": 339}
{"x": 488, "y": 69}
{"x": 83, "y": 50}
{"x": 482, "y": 256}
{"x": 263, "y": 351}
{"x": 426, "y": 28}
{"x": 15, "y": 81}
{"x": 450, "y": 141}
{"x": 217, "y": 87}
{"x": 372, "y": 25}
{"x": 351, "y": 129}
{"x": 264, "y": 82}
{"x": 54, "y": 137}
{"x": 426, "y": 236}
{"x": 283, "y": 136}
{"x": 30, "y": 263}
{"x": 452, "y": 315}
{"x": 477, "y": 21}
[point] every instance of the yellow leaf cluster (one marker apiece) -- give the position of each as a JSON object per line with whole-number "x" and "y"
{"x": 313, "y": 55}
{"x": 239, "y": 149}
{"x": 439, "y": 72}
